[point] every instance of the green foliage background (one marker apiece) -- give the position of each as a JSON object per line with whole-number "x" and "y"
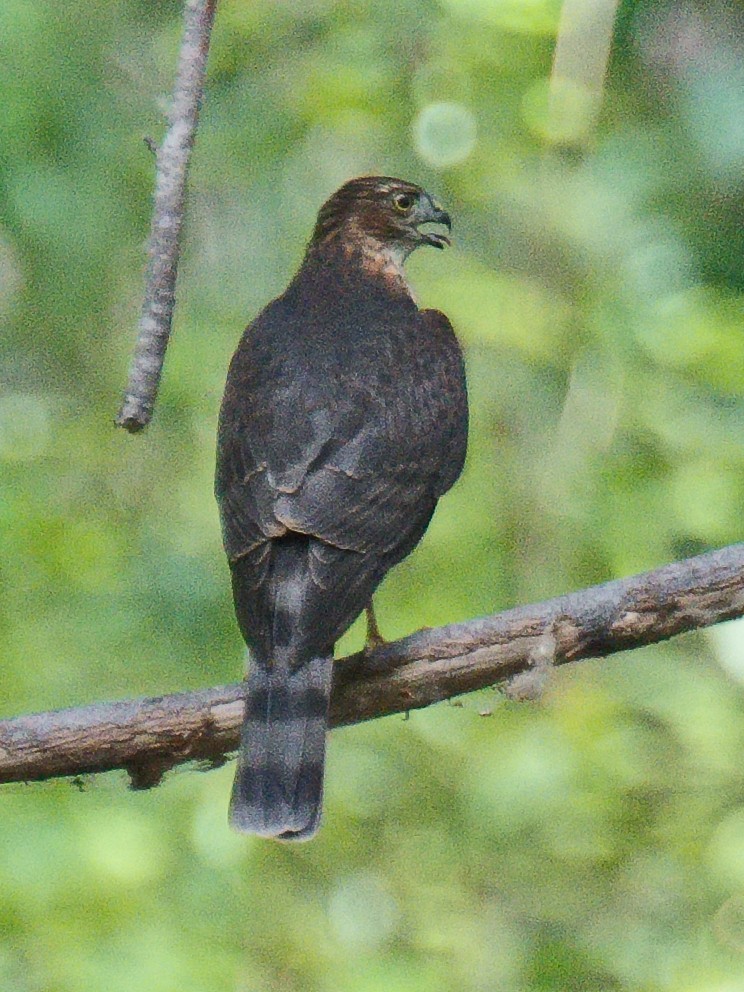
{"x": 593, "y": 841}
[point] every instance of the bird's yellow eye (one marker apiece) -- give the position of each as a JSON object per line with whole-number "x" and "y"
{"x": 403, "y": 202}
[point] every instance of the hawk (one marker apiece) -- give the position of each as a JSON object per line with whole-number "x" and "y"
{"x": 344, "y": 420}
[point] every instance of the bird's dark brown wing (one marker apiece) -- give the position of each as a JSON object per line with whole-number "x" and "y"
{"x": 351, "y": 449}
{"x": 448, "y": 387}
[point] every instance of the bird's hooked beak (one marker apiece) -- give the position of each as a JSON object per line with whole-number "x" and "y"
{"x": 428, "y": 211}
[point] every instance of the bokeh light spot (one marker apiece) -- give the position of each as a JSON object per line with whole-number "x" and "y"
{"x": 524, "y": 16}
{"x": 560, "y": 114}
{"x": 728, "y": 924}
{"x": 362, "y": 912}
{"x": 25, "y": 427}
{"x": 445, "y": 134}
{"x": 728, "y": 643}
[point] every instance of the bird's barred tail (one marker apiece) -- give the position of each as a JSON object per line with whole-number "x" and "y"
{"x": 278, "y": 789}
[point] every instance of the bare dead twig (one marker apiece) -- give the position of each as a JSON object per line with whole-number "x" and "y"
{"x": 148, "y": 736}
{"x": 167, "y": 220}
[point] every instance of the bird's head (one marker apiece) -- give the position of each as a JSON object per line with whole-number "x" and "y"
{"x": 381, "y": 213}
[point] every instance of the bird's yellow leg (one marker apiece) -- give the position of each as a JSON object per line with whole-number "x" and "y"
{"x": 374, "y": 637}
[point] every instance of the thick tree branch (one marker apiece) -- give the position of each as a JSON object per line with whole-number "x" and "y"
{"x": 148, "y": 736}
{"x": 167, "y": 219}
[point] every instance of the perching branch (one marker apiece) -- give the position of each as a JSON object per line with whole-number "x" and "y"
{"x": 148, "y": 736}
{"x": 167, "y": 219}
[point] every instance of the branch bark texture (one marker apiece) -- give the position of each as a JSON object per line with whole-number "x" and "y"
{"x": 148, "y": 736}
{"x": 167, "y": 220}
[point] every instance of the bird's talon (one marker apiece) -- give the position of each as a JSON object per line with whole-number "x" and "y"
{"x": 374, "y": 638}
